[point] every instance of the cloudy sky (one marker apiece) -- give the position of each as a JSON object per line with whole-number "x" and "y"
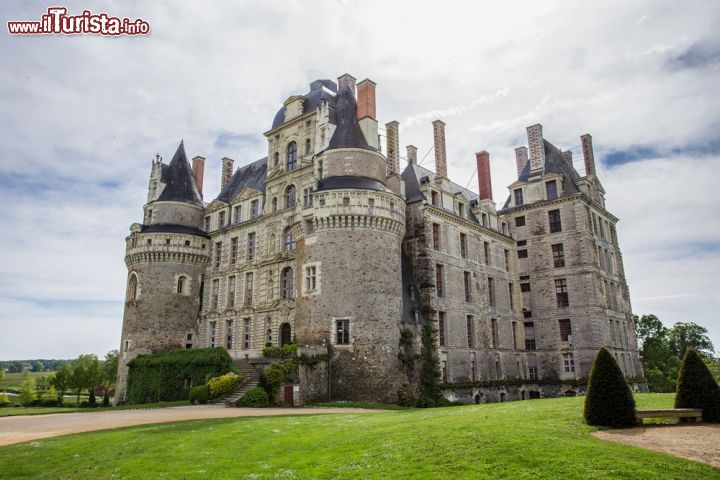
{"x": 81, "y": 118}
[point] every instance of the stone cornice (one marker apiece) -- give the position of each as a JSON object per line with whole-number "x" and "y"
{"x": 468, "y": 223}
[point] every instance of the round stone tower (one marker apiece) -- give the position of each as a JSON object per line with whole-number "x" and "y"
{"x": 349, "y": 269}
{"x": 166, "y": 257}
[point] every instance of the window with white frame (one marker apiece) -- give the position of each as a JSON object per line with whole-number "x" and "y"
{"x": 342, "y": 331}
{"x": 568, "y": 363}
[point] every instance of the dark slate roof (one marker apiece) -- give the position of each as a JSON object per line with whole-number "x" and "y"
{"x": 347, "y": 181}
{"x": 555, "y": 162}
{"x": 347, "y": 132}
{"x": 179, "y": 180}
{"x": 412, "y": 184}
{"x": 250, "y": 176}
{"x": 171, "y": 228}
{"x": 313, "y": 99}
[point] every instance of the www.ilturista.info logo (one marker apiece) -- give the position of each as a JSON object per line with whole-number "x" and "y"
{"x": 58, "y": 22}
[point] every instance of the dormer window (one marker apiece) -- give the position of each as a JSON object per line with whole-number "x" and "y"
{"x": 518, "y": 196}
{"x": 308, "y": 146}
{"x": 221, "y": 219}
{"x": 434, "y": 197}
{"x": 461, "y": 209}
{"x": 551, "y": 190}
{"x": 291, "y": 158}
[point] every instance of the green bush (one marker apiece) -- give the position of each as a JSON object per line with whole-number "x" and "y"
{"x": 4, "y": 400}
{"x": 609, "y": 401}
{"x": 286, "y": 351}
{"x": 199, "y": 394}
{"x": 273, "y": 378}
{"x": 255, "y": 398}
{"x": 224, "y": 384}
{"x": 163, "y": 377}
{"x": 408, "y": 396}
{"x": 696, "y": 388}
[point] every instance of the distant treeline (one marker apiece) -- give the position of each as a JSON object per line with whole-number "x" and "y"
{"x": 38, "y": 365}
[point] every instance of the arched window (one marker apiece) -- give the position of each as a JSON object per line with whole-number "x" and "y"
{"x": 132, "y": 292}
{"x": 274, "y": 204}
{"x": 182, "y": 282}
{"x": 291, "y": 158}
{"x": 287, "y": 282}
{"x": 308, "y": 146}
{"x": 290, "y": 196}
{"x": 285, "y": 334}
{"x": 288, "y": 240}
{"x": 276, "y": 159}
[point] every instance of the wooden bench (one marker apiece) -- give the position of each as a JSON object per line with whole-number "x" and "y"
{"x": 694, "y": 413}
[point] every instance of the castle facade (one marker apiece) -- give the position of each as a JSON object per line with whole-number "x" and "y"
{"x": 330, "y": 243}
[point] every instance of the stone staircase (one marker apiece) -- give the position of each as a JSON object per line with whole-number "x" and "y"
{"x": 252, "y": 378}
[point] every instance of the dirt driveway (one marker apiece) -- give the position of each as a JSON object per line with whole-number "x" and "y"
{"x": 700, "y": 443}
{"x": 32, "y": 427}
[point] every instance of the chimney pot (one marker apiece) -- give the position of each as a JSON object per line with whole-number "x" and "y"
{"x": 393, "y": 145}
{"x": 412, "y": 154}
{"x": 521, "y": 159}
{"x": 483, "y": 172}
{"x": 198, "y": 168}
{"x": 536, "y": 145}
{"x": 440, "y": 154}
{"x": 346, "y": 79}
{"x": 227, "y": 171}
{"x": 588, "y": 154}
{"x": 366, "y": 99}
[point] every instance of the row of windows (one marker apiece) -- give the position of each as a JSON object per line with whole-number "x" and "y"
{"x": 181, "y": 286}
{"x": 564, "y": 328}
{"x": 288, "y": 244}
{"x": 440, "y": 289}
{"x": 246, "y": 334}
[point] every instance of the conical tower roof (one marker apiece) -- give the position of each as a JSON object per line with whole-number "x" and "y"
{"x": 347, "y": 132}
{"x": 180, "y": 183}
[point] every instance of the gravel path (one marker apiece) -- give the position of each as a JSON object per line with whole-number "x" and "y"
{"x": 32, "y": 427}
{"x": 700, "y": 443}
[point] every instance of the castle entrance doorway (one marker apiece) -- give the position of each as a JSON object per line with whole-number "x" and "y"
{"x": 285, "y": 334}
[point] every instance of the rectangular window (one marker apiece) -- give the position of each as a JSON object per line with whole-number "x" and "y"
{"x": 565, "y": 329}
{"x": 484, "y": 219}
{"x": 511, "y": 296}
{"x": 532, "y": 373}
{"x": 213, "y": 334}
{"x": 371, "y": 202}
{"x": 524, "y": 287}
{"x": 558, "y": 255}
{"x": 529, "y": 335}
{"x": 561, "y": 293}
{"x": 461, "y": 209}
{"x": 507, "y": 260}
{"x": 568, "y": 363}
{"x": 251, "y": 246}
{"x": 519, "y": 221}
{"x": 248, "y": 288}
{"x": 493, "y": 333}
{"x": 310, "y": 278}
{"x": 231, "y": 292}
{"x": 551, "y": 190}
{"x": 486, "y": 251}
{"x": 307, "y": 198}
{"x": 518, "y": 196}
{"x": 444, "y": 372}
{"x": 514, "y": 337}
{"x": 346, "y": 201}
{"x": 342, "y": 331}
{"x": 554, "y": 219}
{"x": 467, "y": 284}
{"x": 470, "y": 320}
{"x": 434, "y": 197}
{"x": 436, "y": 236}
{"x": 441, "y": 328}
{"x": 229, "y": 339}
{"x": 521, "y": 243}
{"x": 218, "y": 254}
{"x": 254, "y": 209}
{"x": 215, "y": 294}
{"x": 238, "y": 214}
{"x": 491, "y": 292}
{"x": 221, "y": 219}
{"x": 207, "y": 223}
{"x": 522, "y": 253}
{"x": 439, "y": 280}
{"x": 233, "y": 250}
{"x": 246, "y": 333}
{"x": 463, "y": 245}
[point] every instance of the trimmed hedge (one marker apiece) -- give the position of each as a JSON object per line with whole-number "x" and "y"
{"x": 224, "y": 384}
{"x": 609, "y": 401}
{"x": 273, "y": 378}
{"x": 161, "y": 377}
{"x": 255, "y": 398}
{"x": 199, "y": 394}
{"x": 696, "y": 388}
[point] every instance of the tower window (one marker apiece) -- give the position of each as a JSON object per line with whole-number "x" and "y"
{"x": 436, "y": 236}
{"x": 311, "y": 278}
{"x": 551, "y": 189}
{"x": 463, "y": 245}
{"x": 493, "y": 333}
{"x": 181, "y": 284}
{"x": 470, "y": 320}
{"x": 439, "y": 280}
{"x": 132, "y": 292}
{"x": 558, "y": 255}
{"x": 491, "y": 292}
{"x": 519, "y": 221}
{"x": 307, "y": 198}
{"x": 218, "y": 254}
{"x": 442, "y": 317}
{"x": 287, "y": 282}
{"x": 215, "y": 294}
{"x": 565, "y": 330}
{"x": 288, "y": 240}
{"x": 568, "y": 362}
{"x": 561, "y": 293}
{"x": 467, "y": 284}
{"x": 251, "y": 246}
{"x": 555, "y": 222}
{"x": 290, "y": 196}
{"x": 342, "y": 331}
{"x": 233, "y": 250}
{"x": 291, "y": 157}
{"x": 518, "y": 196}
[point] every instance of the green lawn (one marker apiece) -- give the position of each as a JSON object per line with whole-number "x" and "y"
{"x": 515, "y": 440}
{"x": 13, "y": 411}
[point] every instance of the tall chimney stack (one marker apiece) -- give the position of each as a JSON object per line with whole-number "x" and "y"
{"x": 198, "y": 168}
{"x": 440, "y": 155}
{"x": 412, "y": 154}
{"x": 227, "y": 171}
{"x": 483, "y": 173}
{"x": 588, "y": 154}
{"x": 366, "y": 99}
{"x": 536, "y": 146}
{"x": 521, "y": 159}
{"x": 568, "y": 156}
{"x": 346, "y": 79}
{"x": 393, "y": 145}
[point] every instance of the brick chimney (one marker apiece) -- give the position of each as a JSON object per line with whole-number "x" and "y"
{"x": 227, "y": 171}
{"x": 366, "y": 99}
{"x": 521, "y": 159}
{"x": 440, "y": 155}
{"x": 346, "y": 79}
{"x": 588, "y": 154}
{"x": 483, "y": 173}
{"x": 198, "y": 168}
{"x": 412, "y": 154}
{"x": 393, "y": 145}
{"x": 536, "y": 147}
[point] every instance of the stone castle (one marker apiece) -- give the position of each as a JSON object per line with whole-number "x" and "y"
{"x": 330, "y": 243}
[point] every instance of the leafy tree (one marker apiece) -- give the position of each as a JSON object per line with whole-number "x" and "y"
{"x": 42, "y": 383}
{"x": 61, "y": 380}
{"x": 16, "y": 367}
{"x": 28, "y": 393}
{"x": 86, "y": 375}
{"x": 429, "y": 367}
{"x": 50, "y": 396}
{"x": 110, "y": 368}
{"x": 38, "y": 366}
{"x": 684, "y": 336}
{"x": 697, "y": 388}
{"x": 2, "y": 373}
{"x": 609, "y": 401}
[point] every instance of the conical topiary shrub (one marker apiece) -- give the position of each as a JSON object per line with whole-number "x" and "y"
{"x": 696, "y": 387}
{"x": 609, "y": 401}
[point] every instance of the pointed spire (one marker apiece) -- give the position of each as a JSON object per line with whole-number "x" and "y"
{"x": 348, "y": 133}
{"x": 180, "y": 184}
